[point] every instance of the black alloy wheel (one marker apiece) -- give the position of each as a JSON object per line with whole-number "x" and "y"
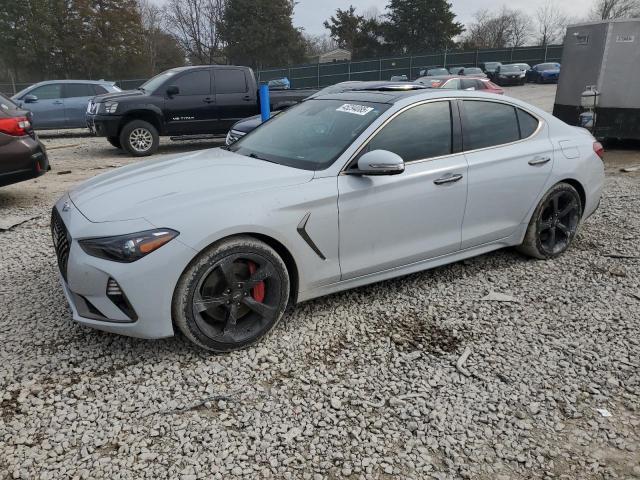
{"x": 554, "y": 223}
{"x": 232, "y": 296}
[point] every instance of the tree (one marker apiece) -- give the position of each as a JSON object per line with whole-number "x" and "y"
{"x": 505, "y": 28}
{"x": 161, "y": 50}
{"x": 362, "y": 35}
{"x": 316, "y": 45}
{"x": 250, "y": 40}
{"x": 195, "y": 24}
{"x": 551, "y": 23}
{"x": 611, "y": 9}
{"x": 415, "y": 26}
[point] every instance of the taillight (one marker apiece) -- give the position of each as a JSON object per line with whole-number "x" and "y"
{"x": 599, "y": 149}
{"x": 15, "y": 126}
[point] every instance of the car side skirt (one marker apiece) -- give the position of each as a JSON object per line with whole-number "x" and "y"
{"x": 514, "y": 239}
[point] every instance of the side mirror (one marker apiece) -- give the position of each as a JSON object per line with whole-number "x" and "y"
{"x": 30, "y": 99}
{"x": 173, "y": 90}
{"x": 379, "y": 162}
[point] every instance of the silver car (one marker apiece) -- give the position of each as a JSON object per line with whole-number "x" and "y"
{"x": 61, "y": 103}
{"x": 340, "y": 191}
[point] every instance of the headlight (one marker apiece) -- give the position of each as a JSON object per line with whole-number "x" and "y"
{"x": 503, "y": 76}
{"x": 128, "y": 248}
{"x": 521, "y": 74}
{"x": 110, "y": 107}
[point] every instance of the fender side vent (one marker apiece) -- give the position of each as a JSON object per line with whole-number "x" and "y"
{"x": 302, "y": 231}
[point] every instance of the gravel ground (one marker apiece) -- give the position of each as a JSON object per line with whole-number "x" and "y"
{"x": 499, "y": 367}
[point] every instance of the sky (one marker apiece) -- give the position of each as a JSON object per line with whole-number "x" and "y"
{"x": 310, "y": 14}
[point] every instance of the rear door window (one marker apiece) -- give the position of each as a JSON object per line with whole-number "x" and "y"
{"x": 487, "y": 124}
{"x": 194, "y": 83}
{"x": 47, "y": 92}
{"x": 74, "y": 90}
{"x": 528, "y": 123}
{"x": 230, "y": 81}
{"x": 419, "y": 133}
{"x": 99, "y": 89}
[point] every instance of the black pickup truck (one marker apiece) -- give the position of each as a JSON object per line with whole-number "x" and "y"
{"x": 181, "y": 102}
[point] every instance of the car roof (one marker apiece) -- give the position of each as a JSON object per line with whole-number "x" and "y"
{"x": 95, "y": 82}
{"x": 394, "y": 97}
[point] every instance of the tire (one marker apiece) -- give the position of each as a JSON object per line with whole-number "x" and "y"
{"x": 115, "y": 141}
{"x": 221, "y": 284}
{"x": 139, "y": 138}
{"x": 550, "y": 231}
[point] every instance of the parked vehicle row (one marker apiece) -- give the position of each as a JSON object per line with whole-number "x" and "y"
{"x": 225, "y": 239}
{"x": 454, "y": 82}
{"x": 22, "y": 155}
{"x": 501, "y": 74}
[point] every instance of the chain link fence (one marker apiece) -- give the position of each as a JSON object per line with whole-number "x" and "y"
{"x": 318, "y": 75}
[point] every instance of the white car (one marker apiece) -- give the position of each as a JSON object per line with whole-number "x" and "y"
{"x": 340, "y": 191}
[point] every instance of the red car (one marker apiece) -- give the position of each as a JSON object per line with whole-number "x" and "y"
{"x": 455, "y": 82}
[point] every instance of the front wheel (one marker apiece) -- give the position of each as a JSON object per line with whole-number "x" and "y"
{"x": 231, "y": 295}
{"x": 139, "y": 138}
{"x": 554, "y": 223}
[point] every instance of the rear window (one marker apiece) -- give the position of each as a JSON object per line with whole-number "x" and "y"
{"x": 230, "y": 81}
{"x": 487, "y": 124}
{"x": 548, "y": 66}
{"x": 509, "y": 69}
{"x": 99, "y": 89}
{"x": 74, "y": 90}
{"x": 472, "y": 71}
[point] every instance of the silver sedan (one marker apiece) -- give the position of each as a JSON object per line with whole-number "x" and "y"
{"x": 340, "y": 191}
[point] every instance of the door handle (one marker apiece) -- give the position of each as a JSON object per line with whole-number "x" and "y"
{"x": 247, "y": 97}
{"x": 57, "y": 102}
{"x": 448, "y": 178}
{"x": 539, "y": 161}
{"x": 208, "y": 100}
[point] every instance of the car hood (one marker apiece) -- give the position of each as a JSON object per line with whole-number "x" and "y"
{"x": 148, "y": 188}
{"x": 115, "y": 96}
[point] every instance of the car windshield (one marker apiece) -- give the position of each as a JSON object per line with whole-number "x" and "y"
{"x": 311, "y": 135}
{"x": 6, "y": 104}
{"x": 154, "y": 83}
{"x": 438, "y": 71}
{"x": 491, "y": 65}
{"x": 548, "y": 66}
{"x": 472, "y": 71}
{"x": 509, "y": 69}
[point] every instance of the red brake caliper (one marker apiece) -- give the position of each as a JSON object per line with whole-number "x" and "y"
{"x": 257, "y": 292}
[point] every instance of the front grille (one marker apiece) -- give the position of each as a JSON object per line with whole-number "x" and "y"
{"x": 61, "y": 241}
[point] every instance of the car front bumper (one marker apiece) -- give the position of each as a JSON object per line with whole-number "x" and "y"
{"x": 147, "y": 285}
{"x": 104, "y": 125}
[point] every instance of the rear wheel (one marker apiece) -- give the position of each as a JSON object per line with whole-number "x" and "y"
{"x": 115, "y": 141}
{"x": 139, "y": 138}
{"x": 233, "y": 294}
{"x": 554, "y": 223}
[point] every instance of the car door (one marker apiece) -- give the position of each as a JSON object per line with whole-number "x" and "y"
{"x": 192, "y": 110}
{"x": 48, "y": 108}
{"x": 233, "y": 99}
{"x": 510, "y": 158}
{"x": 395, "y": 220}
{"x": 76, "y": 98}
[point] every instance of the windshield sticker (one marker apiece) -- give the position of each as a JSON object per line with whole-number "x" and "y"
{"x": 357, "y": 109}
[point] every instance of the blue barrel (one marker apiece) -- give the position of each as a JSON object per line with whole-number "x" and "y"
{"x": 265, "y": 105}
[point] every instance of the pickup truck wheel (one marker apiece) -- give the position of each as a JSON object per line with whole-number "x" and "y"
{"x": 139, "y": 138}
{"x": 115, "y": 141}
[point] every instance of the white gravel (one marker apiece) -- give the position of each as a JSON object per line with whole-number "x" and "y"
{"x": 368, "y": 383}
